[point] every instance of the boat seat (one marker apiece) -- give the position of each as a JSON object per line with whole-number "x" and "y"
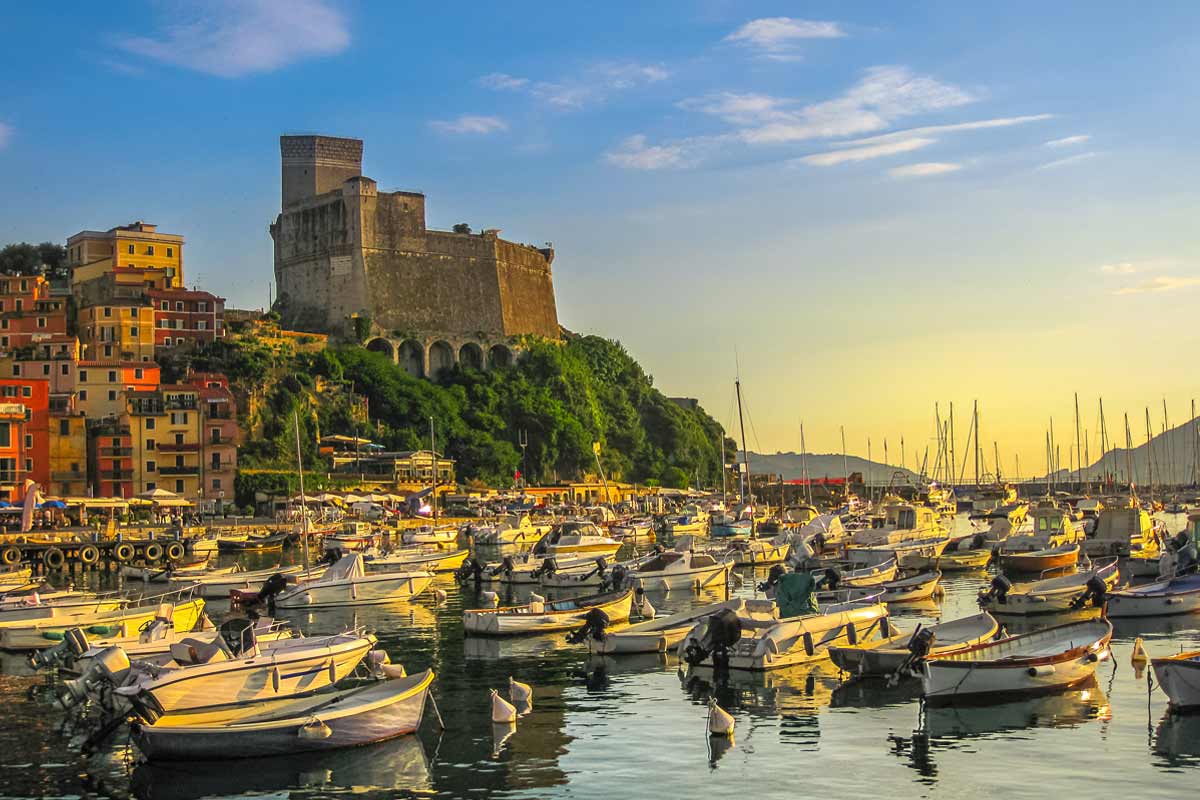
{"x": 190, "y": 652}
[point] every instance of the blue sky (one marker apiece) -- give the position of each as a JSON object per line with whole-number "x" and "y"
{"x": 876, "y": 205}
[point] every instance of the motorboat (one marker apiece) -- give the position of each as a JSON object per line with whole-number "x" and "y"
{"x": 888, "y": 655}
{"x": 1179, "y": 595}
{"x": 347, "y": 583}
{"x": 155, "y": 573}
{"x": 575, "y": 538}
{"x": 1179, "y": 677}
{"x": 1124, "y": 532}
{"x": 1051, "y": 595}
{"x": 732, "y": 525}
{"x": 1049, "y": 527}
{"x": 916, "y": 587}
{"x": 1046, "y": 660}
{"x": 351, "y": 536}
{"x": 823, "y": 532}
{"x": 124, "y": 622}
{"x": 634, "y": 529}
{"x": 218, "y": 584}
{"x": 1064, "y": 556}
{"x": 910, "y": 554}
{"x": 902, "y": 524}
{"x": 252, "y": 543}
{"x": 542, "y": 616}
{"x": 330, "y": 720}
{"x": 757, "y": 639}
{"x": 415, "y": 557}
{"x": 428, "y": 534}
{"x": 852, "y": 574}
{"x": 153, "y": 643}
{"x": 960, "y": 555}
{"x": 940, "y": 499}
{"x": 511, "y": 529}
{"x": 690, "y": 521}
{"x": 658, "y": 635}
{"x": 761, "y": 552}
{"x": 18, "y": 610}
{"x": 675, "y": 569}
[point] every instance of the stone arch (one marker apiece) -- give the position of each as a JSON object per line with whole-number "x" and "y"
{"x": 411, "y": 356}
{"x": 499, "y": 356}
{"x": 441, "y": 356}
{"x": 470, "y": 356}
{"x": 382, "y": 346}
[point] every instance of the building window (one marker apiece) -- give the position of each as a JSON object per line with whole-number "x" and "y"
{"x": 133, "y": 332}
{"x": 166, "y": 306}
{"x": 107, "y": 311}
{"x": 83, "y": 395}
{"x": 5, "y": 434}
{"x": 108, "y": 351}
{"x": 20, "y": 304}
{"x": 45, "y": 369}
{"x": 178, "y": 341}
{"x": 133, "y": 312}
{"x": 151, "y": 466}
{"x": 83, "y": 375}
{"x": 112, "y": 394}
{"x": 179, "y": 487}
{"x": 179, "y": 461}
{"x": 4, "y": 324}
{"x": 27, "y": 391}
{"x": 65, "y": 369}
{"x": 24, "y": 286}
{"x": 130, "y": 249}
{"x": 179, "y": 305}
{"x": 149, "y": 249}
{"x": 170, "y": 252}
{"x": 151, "y": 486}
{"x": 3, "y": 341}
{"x": 16, "y": 370}
{"x": 75, "y": 467}
{"x": 64, "y": 427}
{"x": 29, "y": 465}
{"x": 216, "y": 484}
{"x": 150, "y": 424}
{"x": 41, "y": 322}
{"x": 112, "y": 376}
{"x": 29, "y": 441}
{"x": 201, "y": 325}
{"x": 149, "y": 444}
{"x": 179, "y": 436}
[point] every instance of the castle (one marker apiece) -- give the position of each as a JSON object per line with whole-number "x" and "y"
{"x": 359, "y": 263}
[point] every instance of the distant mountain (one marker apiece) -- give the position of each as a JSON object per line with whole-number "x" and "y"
{"x": 1173, "y": 461}
{"x": 822, "y": 465}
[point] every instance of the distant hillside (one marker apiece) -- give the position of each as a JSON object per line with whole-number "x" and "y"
{"x": 1173, "y": 458}
{"x": 822, "y": 465}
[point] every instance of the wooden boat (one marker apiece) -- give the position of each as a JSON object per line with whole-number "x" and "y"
{"x": 727, "y": 526}
{"x": 917, "y": 587}
{"x": 1064, "y": 556}
{"x": 636, "y": 529}
{"x": 690, "y": 522}
{"x": 873, "y": 575}
{"x": 253, "y": 543}
{"x": 347, "y": 583}
{"x": 885, "y": 656}
{"x": 662, "y": 634}
{"x": 164, "y": 573}
{"x": 1161, "y": 599}
{"x": 234, "y": 672}
{"x": 326, "y": 721}
{"x": 220, "y": 583}
{"x": 1067, "y": 593}
{"x": 1046, "y": 660}
{"x": 766, "y": 642}
{"x": 1179, "y": 677}
{"x": 511, "y": 529}
{"x": 351, "y": 536}
{"x": 125, "y": 622}
{"x": 418, "y": 557}
{"x": 20, "y": 610}
{"x": 679, "y": 570}
{"x": 544, "y": 617}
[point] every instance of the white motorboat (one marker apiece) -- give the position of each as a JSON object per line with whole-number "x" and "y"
{"x": 575, "y": 538}
{"x": 527, "y": 569}
{"x": 219, "y": 584}
{"x": 416, "y": 557}
{"x": 887, "y": 655}
{"x": 903, "y": 523}
{"x": 39, "y": 634}
{"x": 1161, "y": 599}
{"x": 761, "y": 552}
{"x": 542, "y": 616}
{"x": 17, "y": 610}
{"x": 659, "y": 635}
{"x": 512, "y": 529}
{"x": 690, "y": 521}
{"x": 427, "y": 534}
{"x": 350, "y": 537}
{"x": 907, "y": 590}
{"x": 235, "y": 670}
{"x": 347, "y": 583}
{"x": 673, "y": 569}
{"x": 838, "y": 575}
{"x": 1066, "y": 593}
{"x": 634, "y": 529}
{"x": 1179, "y": 677}
{"x": 1046, "y": 660}
{"x": 153, "y": 644}
{"x": 1124, "y": 532}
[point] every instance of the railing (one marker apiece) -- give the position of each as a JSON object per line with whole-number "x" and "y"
{"x": 173, "y": 447}
{"x": 179, "y": 470}
{"x": 115, "y": 452}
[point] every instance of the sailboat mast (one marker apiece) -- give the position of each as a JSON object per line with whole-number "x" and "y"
{"x": 1150, "y": 455}
{"x": 804, "y": 463}
{"x": 1195, "y": 447}
{"x": 744, "y": 488}
{"x": 433, "y": 472}
{"x": 723, "y": 486}
{"x": 1078, "y": 443}
{"x": 845, "y": 461}
{"x": 937, "y": 462}
{"x": 303, "y": 500}
{"x": 1130, "y": 476}
{"x": 996, "y": 453}
{"x": 1169, "y": 472}
{"x": 975, "y": 414}
{"x": 952, "y": 455}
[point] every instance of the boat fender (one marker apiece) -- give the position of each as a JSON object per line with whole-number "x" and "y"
{"x": 314, "y": 731}
{"x": 275, "y": 679}
{"x": 594, "y": 624}
{"x": 124, "y": 552}
{"x": 53, "y": 558}
{"x": 174, "y": 551}
{"x": 1040, "y": 671}
{"x": 11, "y": 556}
{"x": 153, "y": 551}
{"x": 89, "y": 554}
{"x": 331, "y": 669}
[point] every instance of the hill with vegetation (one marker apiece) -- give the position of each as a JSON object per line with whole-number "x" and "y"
{"x": 563, "y": 396}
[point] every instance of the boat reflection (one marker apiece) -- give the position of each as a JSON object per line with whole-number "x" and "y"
{"x": 874, "y": 693}
{"x": 1132, "y": 627}
{"x": 632, "y": 663}
{"x": 494, "y": 648}
{"x": 399, "y": 765}
{"x": 803, "y": 689}
{"x": 1177, "y": 740}
{"x": 415, "y": 615}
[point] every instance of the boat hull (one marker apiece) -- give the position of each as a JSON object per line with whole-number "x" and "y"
{"x": 121, "y": 623}
{"x": 370, "y": 589}
{"x": 521, "y": 620}
{"x": 1179, "y": 676}
{"x": 1166, "y": 603}
{"x": 696, "y": 579}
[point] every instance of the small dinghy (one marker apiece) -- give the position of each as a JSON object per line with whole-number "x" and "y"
{"x": 885, "y": 656}
{"x": 1179, "y": 677}
{"x": 575, "y": 538}
{"x": 659, "y": 635}
{"x": 1066, "y": 593}
{"x": 253, "y": 543}
{"x": 427, "y": 534}
{"x": 1064, "y": 556}
{"x": 347, "y": 583}
{"x": 637, "y": 529}
{"x": 860, "y": 576}
{"x": 162, "y": 573}
{"x": 219, "y": 583}
{"x": 327, "y": 721}
{"x": 755, "y": 552}
{"x": 543, "y": 617}
{"x": 1043, "y": 661}
{"x": 907, "y": 590}
{"x": 1162, "y": 599}
{"x": 417, "y": 557}
{"x": 39, "y": 634}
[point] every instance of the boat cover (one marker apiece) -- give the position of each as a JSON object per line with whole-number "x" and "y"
{"x": 794, "y": 593}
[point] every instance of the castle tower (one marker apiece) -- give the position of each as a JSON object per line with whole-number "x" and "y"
{"x": 313, "y": 165}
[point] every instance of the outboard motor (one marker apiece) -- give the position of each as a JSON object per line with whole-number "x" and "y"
{"x": 549, "y": 567}
{"x": 773, "y": 576}
{"x": 271, "y": 587}
{"x": 921, "y": 643}
{"x": 110, "y": 665}
{"x": 818, "y": 542}
{"x": 831, "y": 579}
{"x": 618, "y": 576}
{"x": 997, "y": 590}
{"x": 1095, "y": 591}
{"x": 721, "y": 631}
{"x": 73, "y": 645}
{"x": 978, "y": 541}
{"x": 470, "y": 568}
{"x": 507, "y": 565}
{"x": 238, "y": 635}
{"x": 594, "y": 624}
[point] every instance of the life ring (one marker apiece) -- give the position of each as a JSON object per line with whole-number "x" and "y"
{"x": 89, "y": 554}
{"x": 11, "y": 556}
{"x": 175, "y": 551}
{"x": 53, "y": 558}
{"x": 124, "y": 552}
{"x": 153, "y": 551}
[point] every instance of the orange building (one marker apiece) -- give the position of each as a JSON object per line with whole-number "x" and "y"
{"x": 24, "y": 435}
{"x": 183, "y": 317}
{"x": 219, "y": 442}
{"x": 110, "y": 458}
{"x": 28, "y": 312}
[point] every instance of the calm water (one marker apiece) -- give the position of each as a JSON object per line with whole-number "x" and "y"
{"x": 634, "y": 727}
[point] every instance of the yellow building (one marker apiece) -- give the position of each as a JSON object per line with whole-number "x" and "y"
{"x": 92, "y": 254}
{"x": 165, "y": 428}
{"x": 122, "y": 332}
{"x": 68, "y": 448}
{"x": 100, "y": 386}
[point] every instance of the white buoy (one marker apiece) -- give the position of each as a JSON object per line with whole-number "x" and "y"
{"x": 720, "y": 721}
{"x": 439, "y": 596}
{"x": 521, "y": 694}
{"x": 489, "y": 600}
{"x": 503, "y": 712}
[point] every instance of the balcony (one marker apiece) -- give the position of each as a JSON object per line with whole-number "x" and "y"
{"x": 193, "y": 470}
{"x": 172, "y": 447}
{"x": 68, "y": 475}
{"x": 116, "y": 475}
{"x": 116, "y": 452}
{"x": 222, "y": 467}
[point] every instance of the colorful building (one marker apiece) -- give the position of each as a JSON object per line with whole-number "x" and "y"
{"x": 28, "y": 311}
{"x": 219, "y": 443}
{"x": 165, "y": 428}
{"x": 110, "y": 458}
{"x": 52, "y": 359}
{"x": 24, "y": 435}
{"x": 186, "y": 318}
{"x": 68, "y": 447}
{"x": 121, "y": 331}
{"x": 140, "y": 245}
{"x": 99, "y": 384}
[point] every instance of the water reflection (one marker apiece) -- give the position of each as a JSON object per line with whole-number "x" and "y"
{"x": 1177, "y": 739}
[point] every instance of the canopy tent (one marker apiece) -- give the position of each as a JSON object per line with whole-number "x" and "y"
{"x": 161, "y": 497}
{"x": 97, "y": 502}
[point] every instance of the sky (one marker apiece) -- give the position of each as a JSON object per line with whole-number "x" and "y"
{"x": 862, "y": 209}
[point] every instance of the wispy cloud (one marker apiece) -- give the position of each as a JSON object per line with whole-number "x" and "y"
{"x": 1069, "y": 141}
{"x": 852, "y": 154}
{"x": 924, "y": 169}
{"x": 231, "y": 39}
{"x": 778, "y": 38}
{"x": 590, "y": 88}
{"x": 6, "y": 133}
{"x": 635, "y": 153}
{"x": 470, "y": 123}
{"x": 1122, "y": 268}
{"x": 1069, "y": 160}
{"x": 1139, "y": 266}
{"x": 956, "y": 127}
{"x": 1163, "y": 283}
